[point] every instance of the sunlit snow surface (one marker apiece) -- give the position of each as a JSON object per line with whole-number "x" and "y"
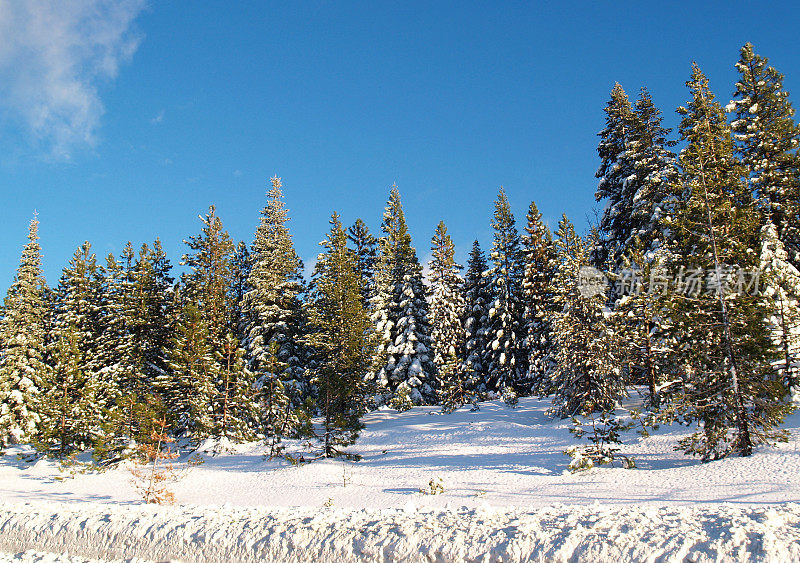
{"x": 506, "y": 493}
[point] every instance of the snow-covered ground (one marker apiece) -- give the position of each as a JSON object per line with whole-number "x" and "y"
{"x": 506, "y": 491}
{"x": 579, "y": 533}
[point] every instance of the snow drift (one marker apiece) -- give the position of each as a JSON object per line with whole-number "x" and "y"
{"x": 558, "y": 533}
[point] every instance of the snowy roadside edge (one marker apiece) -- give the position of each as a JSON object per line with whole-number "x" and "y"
{"x": 557, "y": 533}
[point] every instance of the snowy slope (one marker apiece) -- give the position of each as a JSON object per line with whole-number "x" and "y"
{"x": 500, "y": 461}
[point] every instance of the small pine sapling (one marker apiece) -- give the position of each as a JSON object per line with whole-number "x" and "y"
{"x": 510, "y": 396}
{"x": 151, "y": 479}
{"x": 603, "y": 435}
{"x": 401, "y": 402}
{"x": 457, "y": 388}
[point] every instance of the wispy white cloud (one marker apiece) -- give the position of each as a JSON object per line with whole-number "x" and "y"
{"x": 308, "y": 266}
{"x": 158, "y": 118}
{"x": 53, "y": 57}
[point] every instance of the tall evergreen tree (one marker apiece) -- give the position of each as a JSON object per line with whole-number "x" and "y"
{"x": 206, "y": 283}
{"x": 634, "y": 177}
{"x": 649, "y": 189}
{"x": 537, "y": 299}
{"x": 78, "y": 328}
{"x": 236, "y": 408}
{"x": 616, "y": 167}
{"x": 586, "y": 375}
{"x": 366, "y": 248}
{"x": 193, "y": 370}
{"x": 478, "y": 299}
{"x": 505, "y": 359}
{"x": 767, "y": 140}
{"x": 23, "y": 332}
{"x": 446, "y": 299}
{"x": 726, "y": 348}
{"x": 343, "y": 340}
{"x": 400, "y": 313}
{"x": 204, "y": 366}
{"x": 115, "y": 342}
{"x": 273, "y": 315}
{"x": 153, "y": 301}
{"x": 77, "y": 391}
{"x": 136, "y": 330}
{"x": 635, "y": 174}
{"x": 639, "y": 317}
{"x": 71, "y": 419}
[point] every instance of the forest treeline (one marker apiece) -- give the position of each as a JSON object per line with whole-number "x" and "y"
{"x": 687, "y": 286}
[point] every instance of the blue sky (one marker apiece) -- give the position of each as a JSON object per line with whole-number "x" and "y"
{"x": 124, "y": 120}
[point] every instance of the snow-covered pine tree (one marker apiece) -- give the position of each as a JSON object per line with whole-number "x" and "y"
{"x": 781, "y": 287}
{"x": 343, "y": 341}
{"x": 137, "y": 326}
{"x": 202, "y": 360}
{"x": 458, "y": 386}
{"x": 634, "y": 177}
{"x": 273, "y": 317}
{"x": 23, "y": 333}
{"x": 237, "y": 411}
{"x": 616, "y": 167}
{"x": 478, "y": 299}
{"x": 115, "y": 344}
{"x": 77, "y": 392}
{"x": 70, "y": 418}
{"x": 241, "y": 266}
{"x": 446, "y": 299}
{"x": 236, "y": 405}
{"x": 537, "y": 298}
{"x": 506, "y": 358}
{"x": 586, "y": 373}
{"x": 366, "y": 247}
{"x": 400, "y": 313}
{"x": 206, "y": 283}
{"x": 188, "y": 391}
{"x": 725, "y": 346}
{"x": 646, "y": 252}
{"x": 767, "y": 140}
{"x": 655, "y": 168}
{"x": 154, "y": 303}
{"x": 191, "y": 385}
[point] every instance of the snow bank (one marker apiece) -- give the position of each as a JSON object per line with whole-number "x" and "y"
{"x": 557, "y": 533}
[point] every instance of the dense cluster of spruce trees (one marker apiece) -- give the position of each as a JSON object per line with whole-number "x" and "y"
{"x": 241, "y": 347}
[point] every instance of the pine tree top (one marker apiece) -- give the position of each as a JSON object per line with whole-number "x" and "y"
{"x": 476, "y": 265}
{"x": 442, "y": 254}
